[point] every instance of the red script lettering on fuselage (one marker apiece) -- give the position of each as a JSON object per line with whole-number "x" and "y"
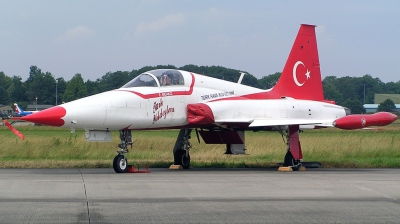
{"x": 160, "y": 112}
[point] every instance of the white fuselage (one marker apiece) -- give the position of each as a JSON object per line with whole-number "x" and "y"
{"x": 166, "y": 106}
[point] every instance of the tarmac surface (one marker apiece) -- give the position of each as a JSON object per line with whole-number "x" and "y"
{"x": 200, "y": 196}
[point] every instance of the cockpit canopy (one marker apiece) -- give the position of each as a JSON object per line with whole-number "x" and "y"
{"x": 157, "y": 78}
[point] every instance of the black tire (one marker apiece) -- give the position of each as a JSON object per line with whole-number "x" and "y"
{"x": 290, "y": 161}
{"x": 120, "y": 164}
{"x": 180, "y": 158}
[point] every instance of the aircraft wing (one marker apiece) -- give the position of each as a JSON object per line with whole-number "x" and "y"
{"x": 278, "y": 122}
{"x": 259, "y": 113}
{"x": 274, "y": 122}
{"x": 242, "y": 120}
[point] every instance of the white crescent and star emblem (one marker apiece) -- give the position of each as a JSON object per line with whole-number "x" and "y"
{"x": 295, "y": 75}
{"x": 363, "y": 122}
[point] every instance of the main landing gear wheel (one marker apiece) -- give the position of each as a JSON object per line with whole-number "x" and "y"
{"x": 182, "y": 159}
{"x": 181, "y": 149}
{"x": 120, "y": 164}
{"x": 290, "y": 161}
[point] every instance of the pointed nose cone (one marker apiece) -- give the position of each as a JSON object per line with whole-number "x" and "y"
{"x": 52, "y": 116}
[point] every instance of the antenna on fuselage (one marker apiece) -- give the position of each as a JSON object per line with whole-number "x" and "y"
{"x": 241, "y": 77}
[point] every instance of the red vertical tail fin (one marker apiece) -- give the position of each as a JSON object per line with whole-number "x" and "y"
{"x": 301, "y": 76}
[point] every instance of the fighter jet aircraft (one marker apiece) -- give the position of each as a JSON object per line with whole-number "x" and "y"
{"x": 220, "y": 111}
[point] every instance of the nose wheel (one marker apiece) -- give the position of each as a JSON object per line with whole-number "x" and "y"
{"x": 120, "y": 164}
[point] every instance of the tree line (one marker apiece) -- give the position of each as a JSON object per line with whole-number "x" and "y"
{"x": 351, "y": 92}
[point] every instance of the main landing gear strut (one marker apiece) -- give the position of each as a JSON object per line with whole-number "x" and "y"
{"x": 181, "y": 149}
{"x": 293, "y": 155}
{"x": 120, "y": 163}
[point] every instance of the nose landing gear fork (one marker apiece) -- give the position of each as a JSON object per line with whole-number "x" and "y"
{"x": 120, "y": 163}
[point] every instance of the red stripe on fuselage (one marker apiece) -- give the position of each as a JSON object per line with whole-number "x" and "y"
{"x": 161, "y": 94}
{"x": 252, "y": 96}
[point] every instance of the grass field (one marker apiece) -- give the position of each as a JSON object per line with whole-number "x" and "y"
{"x": 58, "y": 148}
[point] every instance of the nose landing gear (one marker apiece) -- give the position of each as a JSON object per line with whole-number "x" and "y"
{"x": 120, "y": 163}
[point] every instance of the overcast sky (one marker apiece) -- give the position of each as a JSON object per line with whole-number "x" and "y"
{"x": 95, "y": 37}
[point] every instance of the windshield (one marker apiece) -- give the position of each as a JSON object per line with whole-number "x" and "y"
{"x": 141, "y": 80}
{"x": 166, "y": 77}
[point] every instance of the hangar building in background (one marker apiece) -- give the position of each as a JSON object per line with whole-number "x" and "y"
{"x": 379, "y": 98}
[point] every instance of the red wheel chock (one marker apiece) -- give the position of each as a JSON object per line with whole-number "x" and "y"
{"x": 131, "y": 169}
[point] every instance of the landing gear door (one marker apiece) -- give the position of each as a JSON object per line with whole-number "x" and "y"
{"x": 98, "y": 136}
